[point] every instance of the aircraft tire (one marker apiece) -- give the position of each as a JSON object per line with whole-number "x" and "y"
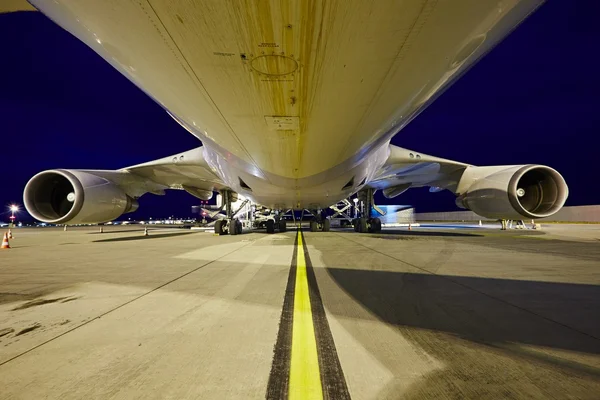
{"x": 362, "y": 225}
{"x": 219, "y": 227}
{"x": 375, "y": 225}
{"x": 314, "y": 227}
{"x": 326, "y": 225}
{"x": 233, "y": 227}
{"x": 270, "y": 226}
{"x": 282, "y": 226}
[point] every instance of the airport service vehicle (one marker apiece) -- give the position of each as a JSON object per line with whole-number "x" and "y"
{"x": 295, "y": 103}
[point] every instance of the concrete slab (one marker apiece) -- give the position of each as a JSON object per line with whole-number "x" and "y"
{"x": 143, "y": 321}
{"x": 446, "y": 314}
{"x": 427, "y": 314}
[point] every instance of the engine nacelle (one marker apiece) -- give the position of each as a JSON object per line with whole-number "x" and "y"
{"x": 512, "y": 192}
{"x": 62, "y": 196}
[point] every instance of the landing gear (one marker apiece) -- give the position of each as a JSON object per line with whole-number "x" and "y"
{"x": 367, "y": 225}
{"x": 228, "y": 227}
{"x": 235, "y": 227}
{"x": 273, "y": 223}
{"x": 361, "y": 225}
{"x": 231, "y": 225}
{"x": 282, "y": 226}
{"x": 219, "y": 227}
{"x": 374, "y": 225}
{"x": 320, "y": 223}
{"x": 270, "y": 226}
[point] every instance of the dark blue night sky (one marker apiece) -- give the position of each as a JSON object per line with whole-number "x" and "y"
{"x": 533, "y": 99}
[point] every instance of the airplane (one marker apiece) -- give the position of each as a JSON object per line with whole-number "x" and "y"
{"x": 295, "y": 103}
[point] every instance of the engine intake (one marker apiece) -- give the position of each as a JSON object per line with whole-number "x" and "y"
{"x": 530, "y": 191}
{"x": 70, "y": 196}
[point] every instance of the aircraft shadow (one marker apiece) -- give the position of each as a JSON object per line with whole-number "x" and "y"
{"x": 404, "y": 232}
{"x": 483, "y": 310}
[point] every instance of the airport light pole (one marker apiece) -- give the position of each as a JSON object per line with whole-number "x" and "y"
{"x": 13, "y": 209}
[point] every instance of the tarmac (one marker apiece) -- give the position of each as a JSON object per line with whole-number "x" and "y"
{"x": 438, "y": 312}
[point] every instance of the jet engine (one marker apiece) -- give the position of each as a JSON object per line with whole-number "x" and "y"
{"x": 62, "y": 196}
{"x": 512, "y": 192}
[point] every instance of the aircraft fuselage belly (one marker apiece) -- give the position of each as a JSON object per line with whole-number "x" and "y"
{"x": 298, "y": 95}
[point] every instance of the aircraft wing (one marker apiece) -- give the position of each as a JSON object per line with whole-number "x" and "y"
{"x": 404, "y": 169}
{"x": 185, "y": 171}
{"x": 7, "y": 6}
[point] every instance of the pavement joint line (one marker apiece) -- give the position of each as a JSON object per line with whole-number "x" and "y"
{"x": 332, "y": 375}
{"x": 277, "y": 386}
{"x": 120, "y": 306}
{"x": 475, "y": 290}
{"x": 305, "y": 361}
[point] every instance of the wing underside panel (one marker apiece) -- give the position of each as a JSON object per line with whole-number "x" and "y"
{"x": 8, "y": 6}
{"x": 180, "y": 171}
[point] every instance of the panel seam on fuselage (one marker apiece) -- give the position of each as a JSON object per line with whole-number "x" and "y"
{"x": 199, "y": 82}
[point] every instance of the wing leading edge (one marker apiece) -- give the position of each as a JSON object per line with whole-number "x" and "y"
{"x": 187, "y": 171}
{"x": 405, "y": 168}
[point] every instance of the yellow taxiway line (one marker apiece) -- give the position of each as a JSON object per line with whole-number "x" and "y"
{"x": 305, "y": 375}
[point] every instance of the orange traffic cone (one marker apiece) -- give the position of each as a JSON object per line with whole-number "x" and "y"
{"x": 10, "y": 236}
{"x": 5, "y": 244}
{"x": 145, "y": 231}
{"x": 409, "y": 226}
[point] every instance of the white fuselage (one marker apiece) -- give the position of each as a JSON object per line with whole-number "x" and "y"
{"x": 292, "y": 97}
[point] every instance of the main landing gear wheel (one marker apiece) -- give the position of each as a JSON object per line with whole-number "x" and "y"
{"x": 375, "y": 225}
{"x": 282, "y": 226}
{"x": 270, "y": 226}
{"x": 235, "y": 227}
{"x": 219, "y": 227}
{"x": 362, "y": 225}
{"x": 314, "y": 226}
{"x": 326, "y": 225}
